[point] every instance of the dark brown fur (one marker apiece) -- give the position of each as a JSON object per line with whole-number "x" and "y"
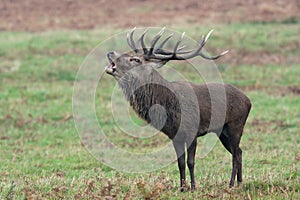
{"x": 144, "y": 87}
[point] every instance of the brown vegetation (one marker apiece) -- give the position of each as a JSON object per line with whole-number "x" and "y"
{"x": 35, "y": 15}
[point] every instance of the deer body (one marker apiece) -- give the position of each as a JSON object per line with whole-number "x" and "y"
{"x": 188, "y": 108}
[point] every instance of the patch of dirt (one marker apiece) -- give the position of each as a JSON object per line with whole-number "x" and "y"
{"x": 263, "y": 126}
{"x": 279, "y": 123}
{"x": 18, "y": 120}
{"x": 294, "y": 89}
{"x": 277, "y": 90}
{"x": 36, "y": 15}
{"x": 4, "y": 137}
{"x": 242, "y": 56}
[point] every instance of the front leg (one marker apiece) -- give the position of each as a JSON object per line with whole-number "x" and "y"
{"x": 191, "y": 162}
{"x": 180, "y": 152}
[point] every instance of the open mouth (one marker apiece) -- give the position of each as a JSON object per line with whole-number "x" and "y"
{"x": 110, "y": 69}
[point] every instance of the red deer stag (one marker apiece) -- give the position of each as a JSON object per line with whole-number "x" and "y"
{"x": 186, "y": 118}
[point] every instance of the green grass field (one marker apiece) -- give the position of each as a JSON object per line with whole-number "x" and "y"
{"x": 41, "y": 153}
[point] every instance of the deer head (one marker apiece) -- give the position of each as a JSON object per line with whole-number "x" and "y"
{"x": 145, "y": 59}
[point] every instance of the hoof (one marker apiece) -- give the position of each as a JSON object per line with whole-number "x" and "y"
{"x": 183, "y": 189}
{"x": 193, "y": 188}
{"x": 239, "y": 184}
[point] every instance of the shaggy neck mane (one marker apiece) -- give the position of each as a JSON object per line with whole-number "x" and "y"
{"x": 143, "y": 92}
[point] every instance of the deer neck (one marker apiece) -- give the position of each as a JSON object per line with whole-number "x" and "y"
{"x": 130, "y": 83}
{"x": 141, "y": 90}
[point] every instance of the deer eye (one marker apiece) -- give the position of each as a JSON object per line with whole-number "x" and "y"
{"x": 135, "y": 60}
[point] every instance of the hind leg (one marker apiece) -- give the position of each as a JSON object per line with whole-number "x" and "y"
{"x": 239, "y": 166}
{"x": 191, "y": 162}
{"x": 230, "y": 138}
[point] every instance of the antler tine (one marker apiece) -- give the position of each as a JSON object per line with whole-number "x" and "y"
{"x": 224, "y": 52}
{"x": 198, "y": 50}
{"x": 176, "y": 50}
{"x": 141, "y": 40}
{"x": 183, "y": 52}
{"x": 155, "y": 39}
{"x": 160, "y": 46}
{"x": 210, "y": 57}
{"x": 178, "y": 42}
{"x": 164, "y": 52}
{"x": 133, "y": 45}
{"x": 200, "y": 46}
{"x": 207, "y": 35}
{"x": 165, "y": 55}
{"x": 213, "y": 57}
{"x": 128, "y": 41}
{"x": 203, "y": 40}
{"x": 180, "y": 48}
{"x": 168, "y": 54}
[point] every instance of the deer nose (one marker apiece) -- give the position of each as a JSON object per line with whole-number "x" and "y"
{"x": 109, "y": 54}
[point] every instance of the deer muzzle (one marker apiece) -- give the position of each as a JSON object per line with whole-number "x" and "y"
{"x": 110, "y": 69}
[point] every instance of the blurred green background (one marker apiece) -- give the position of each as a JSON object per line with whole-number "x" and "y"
{"x": 43, "y": 43}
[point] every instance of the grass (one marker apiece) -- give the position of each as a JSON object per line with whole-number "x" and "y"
{"x": 41, "y": 152}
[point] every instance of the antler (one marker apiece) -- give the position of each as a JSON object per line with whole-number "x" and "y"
{"x": 177, "y": 53}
